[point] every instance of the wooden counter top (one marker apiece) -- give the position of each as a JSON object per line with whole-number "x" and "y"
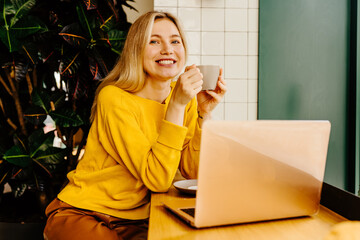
{"x": 164, "y": 225}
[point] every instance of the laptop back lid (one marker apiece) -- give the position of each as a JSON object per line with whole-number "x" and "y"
{"x": 260, "y": 170}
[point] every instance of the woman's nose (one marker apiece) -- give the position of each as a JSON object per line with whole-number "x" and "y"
{"x": 166, "y": 49}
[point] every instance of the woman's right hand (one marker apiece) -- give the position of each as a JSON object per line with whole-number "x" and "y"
{"x": 187, "y": 86}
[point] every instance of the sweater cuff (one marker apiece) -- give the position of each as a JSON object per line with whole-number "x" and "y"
{"x": 172, "y": 135}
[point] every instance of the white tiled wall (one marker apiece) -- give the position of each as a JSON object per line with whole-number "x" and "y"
{"x": 223, "y": 32}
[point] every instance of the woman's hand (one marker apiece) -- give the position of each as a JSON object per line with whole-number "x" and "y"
{"x": 187, "y": 86}
{"x": 209, "y": 99}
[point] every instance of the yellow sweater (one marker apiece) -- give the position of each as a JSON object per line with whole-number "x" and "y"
{"x": 130, "y": 150}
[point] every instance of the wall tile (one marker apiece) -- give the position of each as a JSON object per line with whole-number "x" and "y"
{"x": 218, "y": 112}
{"x": 252, "y": 91}
{"x": 253, "y": 43}
{"x": 219, "y": 60}
{"x": 237, "y": 91}
{"x": 236, "y": 67}
{"x": 236, "y": 111}
{"x": 213, "y": 3}
{"x": 224, "y": 32}
{"x": 172, "y": 10}
{"x": 187, "y": 3}
{"x": 212, "y": 19}
{"x": 194, "y": 42}
{"x": 212, "y": 43}
{"x": 165, "y": 3}
{"x": 193, "y": 59}
{"x": 253, "y": 20}
{"x": 252, "y": 111}
{"x": 236, "y": 43}
{"x": 236, "y": 3}
{"x": 252, "y": 67}
{"x": 190, "y": 17}
{"x": 236, "y": 20}
{"x": 253, "y": 3}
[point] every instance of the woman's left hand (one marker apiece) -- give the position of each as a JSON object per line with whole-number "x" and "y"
{"x": 209, "y": 99}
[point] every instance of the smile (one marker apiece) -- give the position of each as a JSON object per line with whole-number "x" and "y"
{"x": 166, "y": 62}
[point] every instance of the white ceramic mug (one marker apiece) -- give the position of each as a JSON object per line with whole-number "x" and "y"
{"x": 210, "y": 76}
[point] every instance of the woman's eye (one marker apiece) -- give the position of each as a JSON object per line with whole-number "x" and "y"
{"x": 176, "y": 42}
{"x": 153, "y": 42}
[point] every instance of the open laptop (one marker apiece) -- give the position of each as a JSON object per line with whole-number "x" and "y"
{"x": 256, "y": 171}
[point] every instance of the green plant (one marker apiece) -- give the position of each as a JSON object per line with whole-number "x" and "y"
{"x": 53, "y": 54}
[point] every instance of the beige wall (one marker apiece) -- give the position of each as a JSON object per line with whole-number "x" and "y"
{"x": 142, "y": 6}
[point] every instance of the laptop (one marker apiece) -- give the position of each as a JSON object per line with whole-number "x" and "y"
{"x": 252, "y": 171}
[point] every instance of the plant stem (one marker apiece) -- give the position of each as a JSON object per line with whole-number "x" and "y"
{"x": 28, "y": 80}
{"x": 17, "y": 103}
{"x": 11, "y": 123}
{"x": 5, "y": 86}
{"x": 60, "y": 135}
{"x": 2, "y": 107}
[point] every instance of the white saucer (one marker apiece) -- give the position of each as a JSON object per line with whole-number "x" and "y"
{"x": 186, "y": 186}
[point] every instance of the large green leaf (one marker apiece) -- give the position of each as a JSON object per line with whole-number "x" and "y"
{"x": 49, "y": 159}
{"x": 7, "y": 8}
{"x": 22, "y": 7}
{"x": 100, "y": 60}
{"x": 39, "y": 141}
{"x": 108, "y": 24}
{"x": 117, "y": 39}
{"x": 94, "y": 69}
{"x": 70, "y": 65}
{"x": 41, "y": 99}
{"x": 74, "y": 35}
{"x": 18, "y": 156}
{"x": 13, "y": 36}
{"x": 52, "y": 155}
{"x": 65, "y": 117}
{"x": 84, "y": 21}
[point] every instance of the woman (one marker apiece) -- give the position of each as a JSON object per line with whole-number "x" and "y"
{"x": 144, "y": 127}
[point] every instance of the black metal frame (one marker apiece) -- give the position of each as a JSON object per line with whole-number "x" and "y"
{"x": 340, "y": 201}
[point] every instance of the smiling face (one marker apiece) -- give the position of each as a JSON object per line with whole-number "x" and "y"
{"x": 164, "y": 55}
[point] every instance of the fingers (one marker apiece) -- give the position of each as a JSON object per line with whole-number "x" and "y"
{"x": 187, "y": 68}
{"x": 192, "y": 76}
{"x": 220, "y": 90}
{"x": 221, "y": 84}
{"x": 221, "y": 72}
{"x": 188, "y": 85}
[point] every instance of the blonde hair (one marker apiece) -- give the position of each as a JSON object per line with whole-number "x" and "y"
{"x": 128, "y": 73}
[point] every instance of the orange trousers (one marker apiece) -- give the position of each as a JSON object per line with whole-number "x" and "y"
{"x": 66, "y": 222}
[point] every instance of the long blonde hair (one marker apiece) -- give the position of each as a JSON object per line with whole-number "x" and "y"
{"x": 128, "y": 73}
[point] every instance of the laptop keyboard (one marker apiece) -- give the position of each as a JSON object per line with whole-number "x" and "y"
{"x": 190, "y": 211}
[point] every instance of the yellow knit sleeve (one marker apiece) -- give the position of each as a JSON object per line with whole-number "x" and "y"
{"x": 190, "y": 154}
{"x": 122, "y": 133}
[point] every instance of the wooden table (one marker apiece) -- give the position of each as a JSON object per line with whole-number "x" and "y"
{"x": 164, "y": 225}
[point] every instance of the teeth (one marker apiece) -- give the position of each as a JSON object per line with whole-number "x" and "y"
{"x": 166, "y": 61}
